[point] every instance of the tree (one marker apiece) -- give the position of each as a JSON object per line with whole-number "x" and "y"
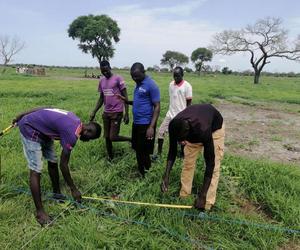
{"x": 9, "y": 47}
{"x": 173, "y": 59}
{"x": 96, "y": 35}
{"x": 199, "y": 56}
{"x": 188, "y": 69}
{"x": 263, "y": 40}
{"x": 206, "y": 68}
{"x": 226, "y": 71}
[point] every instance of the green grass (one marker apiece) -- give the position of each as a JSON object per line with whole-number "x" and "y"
{"x": 254, "y": 191}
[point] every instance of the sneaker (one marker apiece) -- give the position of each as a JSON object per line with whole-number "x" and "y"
{"x": 156, "y": 158}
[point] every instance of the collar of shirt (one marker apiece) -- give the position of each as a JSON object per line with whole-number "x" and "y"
{"x": 78, "y": 130}
{"x": 179, "y": 84}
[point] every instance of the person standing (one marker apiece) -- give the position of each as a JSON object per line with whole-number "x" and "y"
{"x": 38, "y": 128}
{"x": 180, "y": 95}
{"x": 198, "y": 127}
{"x": 109, "y": 87}
{"x": 146, "y": 108}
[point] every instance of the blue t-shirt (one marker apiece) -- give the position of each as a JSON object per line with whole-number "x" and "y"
{"x": 145, "y": 95}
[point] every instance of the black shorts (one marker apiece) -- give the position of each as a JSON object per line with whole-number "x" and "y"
{"x": 111, "y": 123}
{"x": 139, "y": 141}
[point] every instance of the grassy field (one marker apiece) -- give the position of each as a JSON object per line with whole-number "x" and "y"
{"x": 256, "y": 200}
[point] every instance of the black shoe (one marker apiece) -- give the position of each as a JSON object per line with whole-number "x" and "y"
{"x": 59, "y": 197}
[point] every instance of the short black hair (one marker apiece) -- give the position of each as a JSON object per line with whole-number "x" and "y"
{"x": 179, "y": 68}
{"x": 104, "y": 63}
{"x": 137, "y": 65}
{"x": 97, "y": 129}
{"x": 178, "y": 128}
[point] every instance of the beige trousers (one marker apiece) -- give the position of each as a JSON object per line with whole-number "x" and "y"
{"x": 191, "y": 152}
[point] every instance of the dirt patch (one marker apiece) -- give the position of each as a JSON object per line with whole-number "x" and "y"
{"x": 261, "y": 132}
{"x": 292, "y": 245}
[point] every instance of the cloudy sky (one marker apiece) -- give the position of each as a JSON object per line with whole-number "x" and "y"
{"x": 148, "y": 28}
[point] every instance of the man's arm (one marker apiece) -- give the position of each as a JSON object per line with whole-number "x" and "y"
{"x": 64, "y": 161}
{"x": 124, "y": 99}
{"x": 188, "y": 94}
{"x": 170, "y": 162}
{"x": 21, "y": 115}
{"x": 188, "y": 102}
{"x": 150, "y": 130}
{"x": 97, "y": 107}
{"x": 126, "y": 116}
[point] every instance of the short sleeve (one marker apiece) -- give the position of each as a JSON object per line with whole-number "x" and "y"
{"x": 188, "y": 91}
{"x": 99, "y": 87}
{"x": 121, "y": 83}
{"x": 154, "y": 93}
{"x": 68, "y": 141}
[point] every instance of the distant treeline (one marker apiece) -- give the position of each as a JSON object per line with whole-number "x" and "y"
{"x": 155, "y": 68}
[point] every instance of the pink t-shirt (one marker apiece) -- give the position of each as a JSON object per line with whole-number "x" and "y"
{"x": 110, "y": 87}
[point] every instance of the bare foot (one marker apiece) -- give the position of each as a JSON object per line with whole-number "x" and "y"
{"x": 43, "y": 218}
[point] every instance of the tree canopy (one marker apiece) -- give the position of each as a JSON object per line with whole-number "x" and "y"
{"x": 199, "y": 56}
{"x": 96, "y": 35}
{"x": 174, "y": 58}
{"x": 263, "y": 40}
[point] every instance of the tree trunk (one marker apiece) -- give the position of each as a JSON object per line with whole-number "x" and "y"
{"x": 256, "y": 77}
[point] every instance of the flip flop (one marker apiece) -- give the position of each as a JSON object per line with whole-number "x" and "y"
{"x": 59, "y": 198}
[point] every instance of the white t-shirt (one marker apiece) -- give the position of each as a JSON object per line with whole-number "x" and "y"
{"x": 178, "y": 94}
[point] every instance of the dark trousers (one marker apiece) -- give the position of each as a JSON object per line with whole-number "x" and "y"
{"x": 142, "y": 146}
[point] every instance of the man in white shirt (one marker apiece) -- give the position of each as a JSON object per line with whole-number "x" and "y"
{"x": 180, "y": 94}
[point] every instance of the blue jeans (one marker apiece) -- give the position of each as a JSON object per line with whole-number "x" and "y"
{"x": 34, "y": 151}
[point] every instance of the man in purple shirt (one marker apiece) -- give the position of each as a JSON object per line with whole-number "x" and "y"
{"x": 38, "y": 128}
{"x": 109, "y": 87}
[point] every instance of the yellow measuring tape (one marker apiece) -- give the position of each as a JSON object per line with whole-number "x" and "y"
{"x": 138, "y": 203}
{"x": 6, "y": 130}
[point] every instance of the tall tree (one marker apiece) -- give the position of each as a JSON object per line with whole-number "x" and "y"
{"x": 96, "y": 35}
{"x": 263, "y": 40}
{"x": 174, "y": 58}
{"x": 9, "y": 47}
{"x": 199, "y": 56}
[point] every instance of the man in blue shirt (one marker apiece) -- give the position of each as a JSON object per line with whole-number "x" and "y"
{"x": 146, "y": 108}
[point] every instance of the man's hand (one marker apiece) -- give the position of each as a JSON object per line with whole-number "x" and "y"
{"x": 16, "y": 119}
{"x": 126, "y": 118}
{"x": 76, "y": 195}
{"x": 150, "y": 133}
{"x": 121, "y": 97}
{"x": 165, "y": 184}
{"x": 92, "y": 116}
{"x": 200, "y": 203}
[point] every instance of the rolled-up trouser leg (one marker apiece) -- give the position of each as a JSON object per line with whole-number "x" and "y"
{"x": 218, "y": 137}
{"x": 191, "y": 151}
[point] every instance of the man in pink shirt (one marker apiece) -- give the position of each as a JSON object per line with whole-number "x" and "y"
{"x": 109, "y": 87}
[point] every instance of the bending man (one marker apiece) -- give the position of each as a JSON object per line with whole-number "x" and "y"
{"x": 197, "y": 127}
{"x": 38, "y": 128}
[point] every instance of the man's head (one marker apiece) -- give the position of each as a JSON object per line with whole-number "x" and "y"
{"x": 178, "y": 74}
{"x": 180, "y": 129}
{"x": 105, "y": 69}
{"x": 137, "y": 72}
{"x": 90, "y": 131}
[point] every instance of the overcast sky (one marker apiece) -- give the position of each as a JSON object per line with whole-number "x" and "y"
{"x": 148, "y": 28}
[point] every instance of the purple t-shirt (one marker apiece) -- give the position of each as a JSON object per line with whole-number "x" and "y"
{"x": 49, "y": 123}
{"x": 110, "y": 87}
